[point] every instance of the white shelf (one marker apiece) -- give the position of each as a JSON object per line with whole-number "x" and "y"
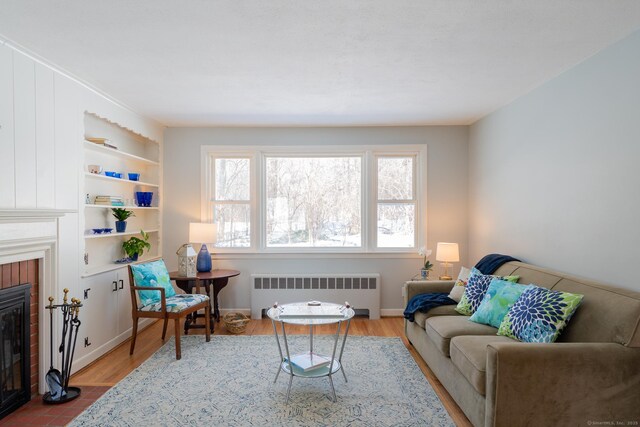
{"x": 112, "y": 234}
{"x": 110, "y": 267}
{"x": 127, "y": 181}
{"x": 122, "y": 207}
{"x": 118, "y": 153}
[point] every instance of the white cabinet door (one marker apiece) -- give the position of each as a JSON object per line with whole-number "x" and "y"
{"x": 100, "y": 321}
{"x": 7, "y": 181}
{"x": 125, "y": 320}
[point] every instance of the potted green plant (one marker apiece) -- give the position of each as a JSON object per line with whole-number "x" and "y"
{"x": 135, "y": 247}
{"x": 121, "y": 215}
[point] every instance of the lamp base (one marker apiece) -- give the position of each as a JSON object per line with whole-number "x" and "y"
{"x": 445, "y": 278}
{"x": 203, "y": 264}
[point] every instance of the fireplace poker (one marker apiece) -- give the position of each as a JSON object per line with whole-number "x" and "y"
{"x": 74, "y": 322}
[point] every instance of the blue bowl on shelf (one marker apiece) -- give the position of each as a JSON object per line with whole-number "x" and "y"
{"x": 111, "y": 174}
{"x": 118, "y": 175}
{"x": 134, "y": 176}
{"x": 107, "y": 230}
{"x": 97, "y": 230}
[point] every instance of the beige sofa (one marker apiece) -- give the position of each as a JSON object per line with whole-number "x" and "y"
{"x": 590, "y": 376}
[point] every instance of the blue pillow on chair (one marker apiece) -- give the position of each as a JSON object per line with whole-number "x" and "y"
{"x": 152, "y": 274}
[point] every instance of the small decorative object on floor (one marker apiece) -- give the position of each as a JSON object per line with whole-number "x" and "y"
{"x": 426, "y": 264}
{"x": 58, "y": 381}
{"x": 235, "y": 323}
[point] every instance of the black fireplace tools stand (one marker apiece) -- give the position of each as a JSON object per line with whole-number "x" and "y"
{"x": 58, "y": 381}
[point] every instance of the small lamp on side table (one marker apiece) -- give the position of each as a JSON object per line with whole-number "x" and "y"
{"x": 447, "y": 253}
{"x": 200, "y": 232}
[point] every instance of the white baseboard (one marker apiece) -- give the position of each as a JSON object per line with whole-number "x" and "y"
{"x": 391, "y": 312}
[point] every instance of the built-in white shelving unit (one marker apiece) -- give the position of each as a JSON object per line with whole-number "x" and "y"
{"x": 134, "y": 154}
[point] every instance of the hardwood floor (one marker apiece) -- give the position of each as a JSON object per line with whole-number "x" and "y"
{"x": 115, "y": 365}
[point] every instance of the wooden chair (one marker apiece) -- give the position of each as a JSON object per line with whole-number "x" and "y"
{"x": 161, "y": 312}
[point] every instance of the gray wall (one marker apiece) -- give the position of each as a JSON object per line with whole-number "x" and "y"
{"x": 446, "y": 200}
{"x": 553, "y": 176}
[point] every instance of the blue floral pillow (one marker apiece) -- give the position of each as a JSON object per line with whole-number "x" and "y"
{"x": 500, "y": 296}
{"x": 476, "y": 289}
{"x": 539, "y": 315}
{"x": 152, "y": 274}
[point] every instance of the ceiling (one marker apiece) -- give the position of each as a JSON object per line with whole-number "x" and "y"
{"x": 316, "y": 63}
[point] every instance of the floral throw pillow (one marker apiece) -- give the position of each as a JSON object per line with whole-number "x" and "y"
{"x": 500, "y": 297}
{"x": 539, "y": 315}
{"x": 476, "y": 289}
{"x": 458, "y": 288}
{"x": 152, "y": 274}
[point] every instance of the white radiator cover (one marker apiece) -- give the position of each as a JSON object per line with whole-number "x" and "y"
{"x": 361, "y": 290}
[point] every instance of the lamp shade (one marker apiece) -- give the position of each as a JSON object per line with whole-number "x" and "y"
{"x": 201, "y": 232}
{"x": 447, "y": 252}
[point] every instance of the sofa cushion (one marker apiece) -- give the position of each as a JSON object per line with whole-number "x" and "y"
{"x": 500, "y": 296}
{"x": 458, "y": 288}
{"x": 443, "y": 310}
{"x": 441, "y": 329}
{"x": 539, "y": 315}
{"x": 469, "y": 355}
{"x": 476, "y": 289}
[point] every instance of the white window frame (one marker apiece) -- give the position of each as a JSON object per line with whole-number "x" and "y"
{"x": 369, "y": 194}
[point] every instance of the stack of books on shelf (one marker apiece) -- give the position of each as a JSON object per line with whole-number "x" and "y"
{"x": 309, "y": 361}
{"x": 109, "y": 200}
{"x": 104, "y": 142}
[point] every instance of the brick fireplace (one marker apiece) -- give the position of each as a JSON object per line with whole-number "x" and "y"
{"x": 29, "y": 254}
{"x": 15, "y": 274}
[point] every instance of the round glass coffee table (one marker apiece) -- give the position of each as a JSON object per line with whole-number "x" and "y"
{"x": 310, "y": 364}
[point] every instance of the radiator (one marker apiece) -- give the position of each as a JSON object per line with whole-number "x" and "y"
{"x": 361, "y": 290}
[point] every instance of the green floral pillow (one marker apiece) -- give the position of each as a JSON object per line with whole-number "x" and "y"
{"x": 539, "y": 315}
{"x": 152, "y": 274}
{"x": 476, "y": 289}
{"x": 500, "y": 296}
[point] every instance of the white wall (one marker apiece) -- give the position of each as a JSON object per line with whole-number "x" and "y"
{"x": 446, "y": 199}
{"x": 553, "y": 176}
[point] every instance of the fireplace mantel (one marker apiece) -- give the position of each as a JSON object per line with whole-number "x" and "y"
{"x": 27, "y": 234}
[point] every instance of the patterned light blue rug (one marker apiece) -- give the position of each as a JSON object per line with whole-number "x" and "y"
{"x": 229, "y": 382}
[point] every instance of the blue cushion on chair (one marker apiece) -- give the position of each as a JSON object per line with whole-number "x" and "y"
{"x": 177, "y": 303}
{"x": 152, "y": 274}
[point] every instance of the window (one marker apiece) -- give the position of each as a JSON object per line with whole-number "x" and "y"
{"x": 313, "y": 201}
{"x": 231, "y": 202}
{"x": 396, "y": 204}
{"x": 340, "y": 198}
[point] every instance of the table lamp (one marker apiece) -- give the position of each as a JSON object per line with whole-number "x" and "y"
{"x": 447, "y": 253}
{"x": 200, "y": 232}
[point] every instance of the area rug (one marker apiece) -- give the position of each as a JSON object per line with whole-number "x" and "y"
{"x": 229, "y": 382}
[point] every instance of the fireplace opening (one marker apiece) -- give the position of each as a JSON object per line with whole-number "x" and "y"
{"x": 15, "y": 376}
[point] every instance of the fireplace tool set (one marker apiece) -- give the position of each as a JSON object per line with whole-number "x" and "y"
{"x": 58, "y": 380}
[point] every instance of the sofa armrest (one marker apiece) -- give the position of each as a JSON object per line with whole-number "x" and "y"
{"x": 417, "y": 287}
{"x": 562, "y": 384}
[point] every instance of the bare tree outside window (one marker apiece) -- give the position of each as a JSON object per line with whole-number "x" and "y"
{"x": 314, "y": 201}
{"x": 396, "y": 202}
{"x": 231, "y": 202}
